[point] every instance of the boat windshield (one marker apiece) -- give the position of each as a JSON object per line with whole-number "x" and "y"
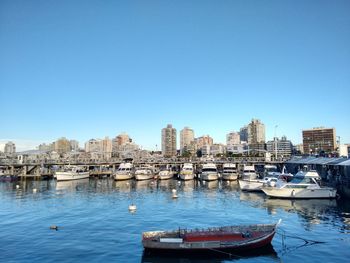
{"x": 302, "y": 180}
{"x": 249, "y": 171}
{"x": 270, "y": 169}
{"x": 209, "y": 170}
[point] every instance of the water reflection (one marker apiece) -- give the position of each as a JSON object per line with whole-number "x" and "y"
{"x": 268, "y": 253}
{"x": 124, "y": 186}
{"x": 72, "y": 186}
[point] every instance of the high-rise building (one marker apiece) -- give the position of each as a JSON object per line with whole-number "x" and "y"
{"x": 169, "y": 141}
{"x": 256, "y": 135}
{"x": 93, "y": 145}
{"x": 233, "y": 138}
{"x": 256, "y": 132}
{"x": 319, "y": 140}
{"x": 62, "y": 145}
{"x": 280, "y": 147}
{"x": 10, "y": 148}
{"x": 186, "y": 137}
{"x": 243, "y": 134}
{"x": 204, "y": 140}
{"x": 119, "y": 141}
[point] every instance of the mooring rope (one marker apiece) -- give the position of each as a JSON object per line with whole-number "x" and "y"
{"x": 283, "y": 234}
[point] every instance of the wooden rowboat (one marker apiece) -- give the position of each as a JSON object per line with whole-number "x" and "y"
{"x": 227, "y": 238}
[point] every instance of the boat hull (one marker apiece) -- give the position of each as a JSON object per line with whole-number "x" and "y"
{"x": 187, "y": 176}
{"x": 199, "y": 241}
{"x": 300, "y": 193}
{"x": 122, "y": 176}
{"x": 229, "y": 176}
{"x": 217, "y": 246}
{"x": 250, "y": 185}
{"x": 67, "y": 176}
{"x": 209, "y": 176}
{"x": 142, "y": 177}
{"x": 164, "y": 175}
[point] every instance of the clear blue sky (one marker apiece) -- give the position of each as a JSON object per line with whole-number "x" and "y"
{"x": 89, "y": 69}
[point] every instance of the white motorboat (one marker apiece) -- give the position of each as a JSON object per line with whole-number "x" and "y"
{"x": 250, "y": 179}
{"x": 251, "y": 185}
{"x": 72, "y": 173}
{"x": 229, "y": 172}
{"x": 124, "y": 172}
{"x": 144, "y": 173}
{"x": 249, "y": 173}
{"x": 303, "y": 185}
{"x": 209, "y": 172}
{"x": 187, "y": 172}
{"x": 165, "y": 173}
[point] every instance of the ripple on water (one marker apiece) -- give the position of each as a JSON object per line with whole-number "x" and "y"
{"x": 96, "y": 225}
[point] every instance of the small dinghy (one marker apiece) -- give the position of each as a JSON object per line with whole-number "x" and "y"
{"x": 220, "y": 239}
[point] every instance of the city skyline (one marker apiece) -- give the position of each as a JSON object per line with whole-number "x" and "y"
{"x": 84, "y": 70}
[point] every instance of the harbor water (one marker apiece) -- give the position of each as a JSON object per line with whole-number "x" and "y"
{"x": 94, "y": 223}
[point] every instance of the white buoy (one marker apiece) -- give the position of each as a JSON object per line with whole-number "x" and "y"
{"x": 34, "y": 190}
{"x": 132, "y": 208}
{"x": 17, "y": 186}
{"x": 174, "y": 191}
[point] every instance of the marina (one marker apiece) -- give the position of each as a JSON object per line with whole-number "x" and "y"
{"x": 112, "y": 232}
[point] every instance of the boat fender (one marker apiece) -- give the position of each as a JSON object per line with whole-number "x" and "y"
{"x": 292, "y": 193}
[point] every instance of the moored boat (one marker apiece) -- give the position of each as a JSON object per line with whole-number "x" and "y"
{"x": 124, "y": 172}
{"x": 227, "y": 238}
{"x": 250, "y": 179}
{"x": 72, "y": 173}
{"x": 187, "y": 172}
{"x": 304, "y": 185}
{"x": 165, "y": 173}
{"x": 144, "y": 173}
{"x": 209, "y": 172}
{"x": 229, "y": 172}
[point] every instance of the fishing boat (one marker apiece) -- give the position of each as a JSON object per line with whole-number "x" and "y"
{"x": 72, "y": 173}
{"x": 227, "y": 238}
{"x": 187, "y": 172}
{"x": 304, "y": 185}
{"x": 229, "y": 172}
{"x": 124, "y": 172}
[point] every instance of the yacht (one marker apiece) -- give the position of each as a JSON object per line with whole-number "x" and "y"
{"x": 187, "y": 172}
{"x": 209, "y": 172}
{"x": 305, "y": 184}
{"x": 72, "y": 173}
{"x": 144, "y": 173}
{"x": 249, "y": 173}
{"x": 165, "y": 173}
{"x": 229, "y": 172}
{"x": 124, "y": 172}
{"x": 250, "y": 179}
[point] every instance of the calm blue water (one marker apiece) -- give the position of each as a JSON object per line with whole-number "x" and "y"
{"x": 96, "y": 226}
